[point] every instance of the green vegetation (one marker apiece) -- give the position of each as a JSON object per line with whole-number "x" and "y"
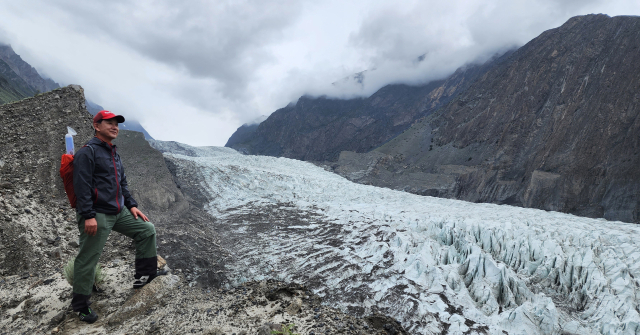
{"x": 68, "y": 272}
{"x": 286, "y": 330}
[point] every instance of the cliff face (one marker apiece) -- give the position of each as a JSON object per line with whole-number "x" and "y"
{"x": 318, "y": 129}
{"x": 556, "y": 126}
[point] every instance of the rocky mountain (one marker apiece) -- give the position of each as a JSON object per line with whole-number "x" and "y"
{"x": 318, "y": 129}
{"x": 245, "y": 132}
{"x": 93, "y": 108}
{"x": 554, "y": 126}
{"x": 255, "y": 243}
{"x": 26, "y": 71}
{"x": 18, "y": 79}
{"x": 12, "y": 87}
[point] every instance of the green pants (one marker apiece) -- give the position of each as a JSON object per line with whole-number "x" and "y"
{"x": 144, "y": 233}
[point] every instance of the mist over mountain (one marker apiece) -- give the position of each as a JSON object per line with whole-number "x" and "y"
{"x": 318, "y": 129}
{"x": 245, "y": 132}
{"x": 552, "y": 125}
{"x": 255, "y": 241}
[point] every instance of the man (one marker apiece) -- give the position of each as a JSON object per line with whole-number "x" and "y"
{"x": 104, "y": 204}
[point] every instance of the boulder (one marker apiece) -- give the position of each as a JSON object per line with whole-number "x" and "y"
{"x": 145, "y": 298}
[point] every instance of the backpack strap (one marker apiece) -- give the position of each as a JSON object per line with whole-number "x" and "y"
{"x": 93, "y": 151}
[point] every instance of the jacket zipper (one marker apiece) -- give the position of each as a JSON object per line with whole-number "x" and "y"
{"x": 115, "y": 169}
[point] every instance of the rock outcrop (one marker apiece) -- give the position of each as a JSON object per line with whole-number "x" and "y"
{"x": 555, "y": 126}
{"x": 34, "y": 209}
{"x": 318, "y": 129}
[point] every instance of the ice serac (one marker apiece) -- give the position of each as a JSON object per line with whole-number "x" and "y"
{"x": 439, "y": 266}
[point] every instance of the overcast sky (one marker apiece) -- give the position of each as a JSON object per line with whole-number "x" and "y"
{"x": 194, "y": 71}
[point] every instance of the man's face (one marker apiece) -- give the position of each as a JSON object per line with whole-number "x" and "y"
{"x": 107, "y": 129}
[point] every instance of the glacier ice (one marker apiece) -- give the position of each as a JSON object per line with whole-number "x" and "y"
{"x": 437, "y": 265}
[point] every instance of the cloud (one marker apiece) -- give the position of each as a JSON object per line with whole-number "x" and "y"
{"x": 221, "y": 40}
{"x": 194, "y": 71}
{"x": 427, "y": 40}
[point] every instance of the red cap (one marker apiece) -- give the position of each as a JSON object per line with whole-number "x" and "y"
{"x": 105, "y": 115}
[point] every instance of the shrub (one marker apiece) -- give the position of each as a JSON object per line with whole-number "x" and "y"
{"x": 68, "y": 272}
{"x": 286, "y": 330}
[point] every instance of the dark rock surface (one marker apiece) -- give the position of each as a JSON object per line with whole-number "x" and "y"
{"x": 555, "y": 126}
{"x": 318, "y": 129}
{"x": 18, "y": 79}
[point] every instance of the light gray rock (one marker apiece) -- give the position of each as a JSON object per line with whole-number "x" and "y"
{"x": 145, "y": 298}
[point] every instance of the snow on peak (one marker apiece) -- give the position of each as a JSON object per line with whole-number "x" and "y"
{"x": 437, "y": 265}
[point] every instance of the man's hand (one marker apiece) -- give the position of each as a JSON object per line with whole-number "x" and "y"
{"x": 137, "y": 212}
{"x": 91, "y": 226}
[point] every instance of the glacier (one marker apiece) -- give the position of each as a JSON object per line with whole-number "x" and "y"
{"x": 439, "y": 266}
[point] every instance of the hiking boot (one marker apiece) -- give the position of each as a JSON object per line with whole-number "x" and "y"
{"x": 140, "y": 281}
{"x": 91, "y": 317}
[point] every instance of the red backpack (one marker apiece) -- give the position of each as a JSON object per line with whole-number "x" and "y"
{"x": 66, "y": 172}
